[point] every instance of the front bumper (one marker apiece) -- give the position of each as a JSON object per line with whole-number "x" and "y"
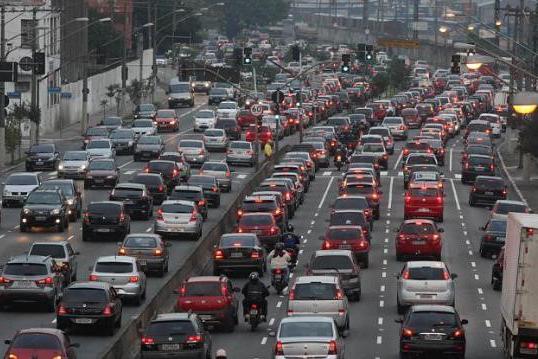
{"x": 100, "y": 181}
{"x": 45, "y": 220}
{"x": 41, "y": 165}
{"x": 75, "y": 173}
{"x": 154, "y": 154}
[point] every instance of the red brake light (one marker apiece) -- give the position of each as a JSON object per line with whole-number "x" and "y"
{"x": 46, "y": 281}
{"x": 446, "y": 275}
{"x": 528, "y": 345}
{"x": 332, "y": 348}
{"x": 194, "y": 339}
{"x": 160, "y": 214}
{"x": 279, "y": 348}
{"x": 219, "y": 254}
{"x": 93, "y": 277}
{"x": 62, "y": 310}
{"x": 146, "y": 169}
{"x": 175, "y": 172}
{"x": 255, "y": 255}
{"x": 291, "y": 295}
{"x": 214, "y": 189}
{"x": 458, "y": 333}
{"x": 363, "y": 244}
{"x": 326, "y": 245}
{"x": 4, "y": 280}
{"x": 239, "y": 212}
{"x": 407, "y": 332}
{"x": 194, "y": 216}
{"x": 148, "y": 341}
{"x": 134, "y": 279}
{"x": 107, "y": 311}
{"x": 405, "y": 275}
{"x": 157, "y": 252}
{"x": 288, "y": 196}
{"x": 339, "y": 294}
{"x": 161, "y": 188}
{"x": 274, "y": 229}
{"x": 439, "y": 199}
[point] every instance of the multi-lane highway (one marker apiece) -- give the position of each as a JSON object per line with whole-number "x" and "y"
{"x": 374, "y": 334}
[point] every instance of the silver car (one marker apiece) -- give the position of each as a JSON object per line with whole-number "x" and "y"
{"x": 397, "y": 126}
{"x": 216, "y": 139}
{"x": 425, "y": 282}
{"x": 503, "y": 206}
{"x": 319, "y": 295}
{"x": 73, "y": 164}
{"x": 241, "y": 152}
{"x": 100, "y": 148}
{"x": 221, "y": 172}
{"x": 144, "y": 127}
{"x": 194, "y": 151}
{"x": 18, "y": 186}
{"x": 178, "y": 217}
{"x": 309, "y": 337}
{"x": 204, "y": 119}
{"x": 123, "y": 273}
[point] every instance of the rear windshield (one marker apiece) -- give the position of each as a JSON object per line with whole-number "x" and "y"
{"x": 186, "y": 195}
{"x": 392, "y": 121}
{"x": 344, "y": 234}
{"x": 239, "y": 241}
{"x": 257, "y": 220}
{"x": 420, "y": 146}
{"x": 201, "y": 180}
{"x": 214, "y": 133}
{"x": 113, "y": 267}
{"x": 379, "y": 131}
{"x": 429, "y": 319}
{"x": 373, "y": 147}
{"x": 478, "y": 150}
{"x": 337, "y": 121}
{"x": 423, "y": 192}
{"x": 480, "y": 160}
{"x": 66, "y": 188}
{"x": 104, "y": 208}
{"x": 140, "y": 242}
{"x": 490, "y": 183}
{"x": 315, "y": 291}
{"x": 505, "y": 208}
{"x": 145, "y": 179}
{"x": 176, "y": 327}
{"x": 128, "y": 192}
{"x": 143, "y": 123}
{"x": 332, "y": 262}
{"x": 75, "y": 156}
{"x": 25, "y": 269}
{"x": 53, "y": 250}
{"x": 36, "y": 341}
{"x": 203, "y": 289}
{"x": 347, "y": 219}
{"x": 97, "y": 131}
{"x": 240, "y": 145}
{"x": 222, "y": 167}
{"x": 417, "y": 228}
{"x": 477, "y": 127}
{"x": 352, "y": 203}
{"x": 426, "y": 273}
{"x": 160, "y": 166}
{"x": 259, "y": 206}
{"x": 85, "y": 295}
{"x": 176, "y": 208}
{"x": 196, "y": 144}
{"x": 359, "y": 189}
{"x": 149, "y": 140}
{"x": 306, "y": 329}
{"x": 497, "y": 226}
{"x": 420, "y": 160}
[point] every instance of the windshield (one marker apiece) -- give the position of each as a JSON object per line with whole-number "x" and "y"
{"x": 186, "y": 144}
{"x": 66, "y": 188}
{"x": 149, "y": 140}
{"x": 505, "y": 208}
{"x": 53, "y": 250}
{"x": 122, "y": 134}
{"x": 220, "y": 167}
{"x": 43, "y": 198}
{"x": 342, "y": 234}
{"x": 166, "y": 114}
{"x": 256, "y": 220}
{"x": 97, "y": 131}
{"x": 146, "y": 107}
{"x": 143, "y": 123}
{"x": 140, "y": 242}
{"x": 85, "y": 295}
{"x": 176, "y": 208}
{"x": 36, "y": 342}
{"x": 426, "y": 273}
{"x": 22, "y": 180}
{"x": 98, "y": 145}
{"x": 25, "y": 269}
{"x": 239, "y": 241}
{"x": 306, "y": 329}
{"x": 114, "y": 267}
{"x": 42, "y": 149}
{"x": 332, "y": 262}
{"x": 205, "y": 114}
{"x": 418, "y": 228}
{"x": 101, "y": 165}
{"x": 75, "y": 156}
{"x": 180, "y": 88}
{"x": 218, "y": 92}
{"x": 164, "y": 329}
{"x": 315, "y": 291}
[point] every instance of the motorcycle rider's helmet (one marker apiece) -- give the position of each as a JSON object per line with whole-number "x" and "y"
{"x": 254, "y": 277}
{"x": 279, "y": 248}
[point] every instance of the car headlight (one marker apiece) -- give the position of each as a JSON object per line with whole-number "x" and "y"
{"x": 61, "y": 166}
{"x": 130, "y": 143}
{"x": 26, "y": 211}
{"x": 82, "y": 167}
{"x": 55, "y": 211}
{"x": 70, "y": 202}
{"x": 109, "y": 177}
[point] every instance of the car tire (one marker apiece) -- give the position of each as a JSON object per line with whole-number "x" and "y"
{"x": 138, "y": 300}
{"x": 400, "y": 308}
{"x": 497, "y": 286}
{"x": 482, "y": 252}
{"x": 165, "y": 268}
{"x": 471, "y": 202}
{"x": 260, "y": 271}
{"x": 376, "y": 214}
{"x": 399, "y": 257}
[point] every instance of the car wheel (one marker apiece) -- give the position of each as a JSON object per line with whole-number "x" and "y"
{"x": 497, "y": 285}
{"x": 482, "y": 252}
{"x": 138, "y": 300}
{"x": 165, "y": 268}
{"x": 399, "y": 257}
{"x": 471, "y": 202}
{"x": 260, "y": 271}
{"x": 366, "y": 261}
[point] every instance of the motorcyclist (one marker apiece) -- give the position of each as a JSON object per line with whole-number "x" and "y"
{"x": 255, "y": 292}
{"x": 278, "y": 258}
{"x": 291, "y": 241}
{"x": 341, "y": 151}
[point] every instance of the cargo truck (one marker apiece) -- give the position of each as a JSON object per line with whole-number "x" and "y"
{"x": 519, "y": 299}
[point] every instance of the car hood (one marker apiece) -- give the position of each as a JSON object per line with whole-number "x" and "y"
{"x": 43, "y": 207}
{"x": 122, "y": 140}
{"x": 101, "y": 173}
{"x": 102, "y": 151}
{"x": 40, "y": 155}
{"x": 74, "y": 163}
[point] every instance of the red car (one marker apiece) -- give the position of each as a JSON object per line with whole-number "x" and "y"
{"x": 348, "y": 237}
{"x": 264, "y": 134}
{"x": 167, "y": 120}
{"x": 263, "y": 224}
{"x": 424, "y": 200}
{"x": 213, "y": 298}
{"x": 246, "y": 118}
{"x": 420, "y": 238}
{"x": 40, "y": 343}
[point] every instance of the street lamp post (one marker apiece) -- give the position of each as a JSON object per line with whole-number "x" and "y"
{"x": 525, "y": 103}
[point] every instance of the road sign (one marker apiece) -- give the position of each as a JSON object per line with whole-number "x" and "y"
{"x": 66, "y": 95}
{"x": 400, "y": 43}
{"x": 14, "y": 94}
{"x": 54, "y": 89}
{"x": 277, "y": 96}
{"x": 26, "y": 63}
{"x": 256, "y": 110}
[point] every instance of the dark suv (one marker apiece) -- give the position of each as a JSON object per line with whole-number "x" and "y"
{"x": 230, "y": 126}
{"x": 169, "y": 170}
{"x": 265, "y": 204}
{"x": 45, "y": 208}
{"x": 135, "y": 197}
{"x": 29, "y": 278}
{"x": 89, "y": 304}
{"x": 487, "y": 190}
{"x": 42, "y": 157}
{"x": 63, "y": 254}
{"x": 101, "y": 218}
{"x": 71, "y": 193}
{"x": 154, "y": 183}
{"x": 476, "y": 165}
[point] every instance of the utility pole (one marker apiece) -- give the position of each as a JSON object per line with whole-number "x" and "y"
{"x": 436, "y": 20}
{"x": 497, "y": 20}
{"x": 85, "y": 90}
{"x": 415, "y": 20}
{"x": 2, "y": 88}
{"x": 124, "y": 62}
{"x": 140, "y": 45}
{"x": 34, "y": 104}
{"x": 154, "y": 57}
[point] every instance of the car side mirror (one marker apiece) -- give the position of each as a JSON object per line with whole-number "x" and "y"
{"x": 7, "y": 341}
{"x": 453, "y": 276}
{"x": 440, "y": 230}
{"x": 272, "y": 334}
{"x": 464, "y": 321}
{"x": 168, "y": 244}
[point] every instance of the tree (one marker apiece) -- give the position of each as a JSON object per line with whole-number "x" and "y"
{"x": 398, "y": 74}
{"x": 527, "y": 136}
{"x": 380, "y": 82}
{"x": 135, "y": 91}
{"x": 13, "y": 129}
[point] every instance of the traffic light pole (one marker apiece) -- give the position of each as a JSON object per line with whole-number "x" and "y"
{"x": 300, "y": 99}
{"x": 34, "y": 104}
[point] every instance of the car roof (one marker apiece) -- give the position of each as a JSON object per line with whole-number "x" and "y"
{"x": 420, "y": 264}
{"x": 507, "y": 201}
{"x": 122, "y": 259}
{"x": 167, "y": 317}
{"x": 24, "y": 258}
{"x": 308, "y": 318}
{"x": 188, "y": 188}
{"x": 205, "y": 278}
{"x": 415, "y": 220}
{"x": 178, "y": 201}
{"x": 316, "y": 278}
{"x": 92, "y": 285}
{"x": 433, "y": 308}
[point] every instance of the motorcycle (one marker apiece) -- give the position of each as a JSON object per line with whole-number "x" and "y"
{"x": 278, "y": 280}
{"x": 293, "y": 252}
{"x": 254, "y": 316}
{"x": 338, "y": 162}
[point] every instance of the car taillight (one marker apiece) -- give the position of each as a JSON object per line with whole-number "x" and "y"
{"x": 466, "y": 165}
{"x": 4, "y": 280}
{"x": 288, "y": 196}
{"x": 291, "y": 295}
{"x": 214, "y": 189}
{"x": 194, "y": 339}
{"x": 339, "y": 294}
{"x": 201, "y": 202}
{"x": 279, "y": 348}
{"x": 182, "y": 291}
{"x": 458, "y": 333}
{"x": 122, "y": 217}
{"x": 363, "y": 244}
{"x": 175, "y": 173}
{"x": 147, "y": 341}
{"x": 161, "y": 188}
{"x": 406, "y": 151}
{"x": 375, "y": 196}
{"x": 46, "y": 281}
{"x": 61, "y": 310}
{"x": 274, "y": 230}
{"x": 160, "y": 215}
{"x": 407, "y": 332}
{"x": 157, "y": 252}
{"x": 107, "y": 311}
{"x": 489, "y": 237}
{"x": 146, "y": 169}
{"x": 93, "y": 278}
{"x": 504, "y": 192}
{"x": 528, "y": 345}
{"x": 122, "y": 251}
{"x": 492, "y": 167}
{"x": 405, "y": 275}
{"x": 326, "y": 245}
{"x": 446, "y": 275}
{"x": 332, "y": 348}
{"x": 218, "y": 254}
{"x": 439, "y": 199}
{"x": 402, "y": 127}
{"x": 86, "y": 217}
{"x": 134, "y": 279}
{"x": 194, "y": 216}
{"x": 436, "y": 237}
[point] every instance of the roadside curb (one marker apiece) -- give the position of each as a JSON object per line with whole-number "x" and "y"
{"x": 505, "y": 170}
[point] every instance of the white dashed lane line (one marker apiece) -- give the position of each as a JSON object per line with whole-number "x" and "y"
{"x": 488, "y": 323}
{"x": 264, "y": 341}
{"x": 148, "y": 229}
{"x": 242, "y": 176}
{"x": 129, "y": 172}
{"x": 279, "y": 304}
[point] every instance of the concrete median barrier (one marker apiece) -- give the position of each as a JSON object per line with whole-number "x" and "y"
{"x": 126, "y": 343}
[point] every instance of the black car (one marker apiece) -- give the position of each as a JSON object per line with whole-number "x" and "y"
{"x": 409, "y": 170}
{"x": 42, "y": 157}
{"x": 210, "y": 187}
{"x": 438, "y": 149}
{"x": 432, "y": 330}
{"x": 169, "y": 170}
{"x": 493, "y": 238}
{"x": 497, "y": 271}
{"x": 350, "y": 217}
{"x": 136, "y": 199}
{"x": 476, "y": 165}
{"x": 238, "y": 251}
{"x": 154, "y": 183}
{"x": 89, "y": 304}
{"x": 191, "y": 193}
{"x": 103, "y": 218}
{"x": 230, "y": 126}
{"x": 45, "y": 208}
{"x": 71, "y": 193}
{"x": 265, "y": 204}
{"x": 123, "y": 140}
{"x": 145, "y": 110}
{"x": 487, "y": 190}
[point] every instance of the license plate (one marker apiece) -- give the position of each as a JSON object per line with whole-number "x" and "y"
{"x": 489, "y": 193}
{"x": 99, "y": 181}
{"x": 142, "y": 262}
{"x": 40, "y": 218}
{"x": 169, "y": 347}
{"x": 501, "y": 239}
{"x": 103, "y": 230}
{"x": 480, "y": 168}
{"x": 419, "y": 242}
{"x": 424, "y": 210}
{"x": 83, "y": 321}
{"x": 253, "y": 312}
{"x": 426, "y": 296}
{"x": 39, "y": 162}
{"x": 236, "y": 255}
{"x": 345, "y": 246}
{"x": 23, "y": 284}
{"x": 433, "y": 336}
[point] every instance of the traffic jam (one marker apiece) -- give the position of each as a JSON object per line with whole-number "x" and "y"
{"x": 379, "y": 231}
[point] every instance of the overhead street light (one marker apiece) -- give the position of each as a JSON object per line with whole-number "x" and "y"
{"x": 498, "y": 23}
{"x": 443, "y": 29}
{"x": 470, "y": 28}
{"x": 525, "y": 102}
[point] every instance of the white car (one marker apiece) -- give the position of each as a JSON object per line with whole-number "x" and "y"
{"x": 396, "y": 125}
{"x": 100, "y": 148}
{"x": 194, "y": 151}
{"x": 494, "y": 122}
{"x": 144, "y": 127}
{"x": 204, "y": 119}
{"x": 215, "y": 139}
{"x": 73, "y": 164}
{"x": 294, "y": 67}
{"x": 228, "y": 109}
{"x": 18, "y": 186}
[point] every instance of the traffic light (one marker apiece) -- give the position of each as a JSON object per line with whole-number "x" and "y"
{"x": 361, "y": 53}
{"x": 295, "y": 53}
{"x": 455, "y": 65}
{"x": 247, "y": 56}
{"x": 238, "y": 56}
{"x": 346, "y": 59}
{"x": 39, "y": 63}
{"x": 470, "y": 52}
{"x": 369, "y": 53}
{"x": 299, "y": 98}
